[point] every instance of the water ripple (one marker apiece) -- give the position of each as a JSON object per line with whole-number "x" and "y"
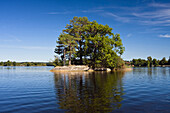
{"x": 33, "y": 89}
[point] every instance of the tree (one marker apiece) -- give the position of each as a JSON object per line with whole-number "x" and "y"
{"x": 61, "y": 50}
{"x": 155, "y": 62}
{"x": 163, "y": 61}
{"x": 90, "y": 41}
{"x": 29, "y": 64}
{"x": 169, "y": 61}
{"x": 8, "y": 63}
{"x": 101, "y": 45}
{"x": 76, "y": 29}
{"x": 57, "y": 61}
{"x": 135, "y": 62}
{"x": 1, "y": 64}
{"x": 69, "y": 43}
{"x": 14, "y": 63}
{"x": 149, "y": 62}
{"x": 139, "y": 62}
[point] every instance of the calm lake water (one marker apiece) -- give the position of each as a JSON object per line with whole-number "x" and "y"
{"x": 35, "y": 89}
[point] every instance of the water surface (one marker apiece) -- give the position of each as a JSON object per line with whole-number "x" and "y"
{"x": 35, "y": 89}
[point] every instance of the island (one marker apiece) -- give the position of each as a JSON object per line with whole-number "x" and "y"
{"x": 88, "y": 46}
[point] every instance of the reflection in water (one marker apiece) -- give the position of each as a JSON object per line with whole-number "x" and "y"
{"x": 89, "y": 92}
{"x": 151, "y": 71}
{"x": 35, "y": 89}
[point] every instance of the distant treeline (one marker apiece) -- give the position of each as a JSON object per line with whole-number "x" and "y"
{"x": 149, "y": 62}
{"x": 13, "y": 63}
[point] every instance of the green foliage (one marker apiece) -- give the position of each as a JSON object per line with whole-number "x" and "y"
{"x": 149, "y": 62}
{"x": 14, "y": 63}
{"x": 92, "y": 43}
{"x": 1, "y": 63}
{"x": 155, "y": 62}
{"x": 102, "y": 46}
{"x": 169, "y": 61}
{"x": 163, "y": 61}
{"x": 69, "y": 43}
{"x": 76, "y": 28}
{"x": 57, "y": 62}
{"x": 10, "y": 63}
{"x": 139, "y": 62}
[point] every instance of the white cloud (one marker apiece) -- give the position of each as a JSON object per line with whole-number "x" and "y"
{"x": 92, "y": 11}
{"x": 157, "y": 17}
{"x": 28, "y": 47}
{"x": 12, "y": 40}
{"x": 57, "y": 13}
{"x": 129, "y": 35}
{"x": 119, "y": 18}
{"x": 158, "y": 5}
{"x": 9, "y": 38}
{"x": 165, "y": 36}
{"x": 144, "y": 15}
{"x": 159, "y": 14}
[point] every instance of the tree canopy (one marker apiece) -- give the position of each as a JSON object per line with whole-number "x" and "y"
{"x": 90, "y": 43}
{"x": 13, "y": 63}
{"x": 149, "y": 62}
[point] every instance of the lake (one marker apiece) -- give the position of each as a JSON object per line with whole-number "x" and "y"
{"x": 35, "y": 89}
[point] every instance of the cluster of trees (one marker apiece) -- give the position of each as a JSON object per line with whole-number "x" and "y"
{"x": 150, "y": 62}
{"x": 85, "y": 42}
{"x": 10, "y": 63}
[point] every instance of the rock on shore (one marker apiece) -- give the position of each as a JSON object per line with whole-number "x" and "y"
{"x": 74, "y": 68}
{"x": 70, "y": 68}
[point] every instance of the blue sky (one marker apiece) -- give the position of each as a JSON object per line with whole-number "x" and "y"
{"x": 29, "y": 28}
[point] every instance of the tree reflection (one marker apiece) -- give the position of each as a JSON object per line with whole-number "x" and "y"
{"x": 89, "y": 92}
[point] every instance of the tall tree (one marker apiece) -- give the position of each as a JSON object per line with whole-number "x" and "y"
{"x": 163, "y": 61}
{"x": 61, "y": 50}
{"x": 1, "y": 63}
{"x": 57, "y": 61}
{"x": 92, "y": 41}
{"x": 76, "y": 29}
{"x": 155, "y": 62}
{"x": 135, "y": 62}
{"x": 149, "y": 62}
{"x": 101, "y": 44}
{"x": 14, "y": 63}
{"x": 69, "y": 43}
{"x": 169, "y": 61}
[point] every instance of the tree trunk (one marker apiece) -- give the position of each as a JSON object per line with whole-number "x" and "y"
{"x": 81, "y": 52}
{"x": 81, "y": 59}
{"x": 69, "y": 59}
{"x": 94, "y": 59}
{"x": 70, "y": 56}
{"x": 64, "y": 57}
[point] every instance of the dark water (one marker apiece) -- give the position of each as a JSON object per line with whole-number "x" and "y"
{"x": 35, "y": 89}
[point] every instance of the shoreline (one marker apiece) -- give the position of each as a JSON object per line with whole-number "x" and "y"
{"x": 84, "y": 68}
